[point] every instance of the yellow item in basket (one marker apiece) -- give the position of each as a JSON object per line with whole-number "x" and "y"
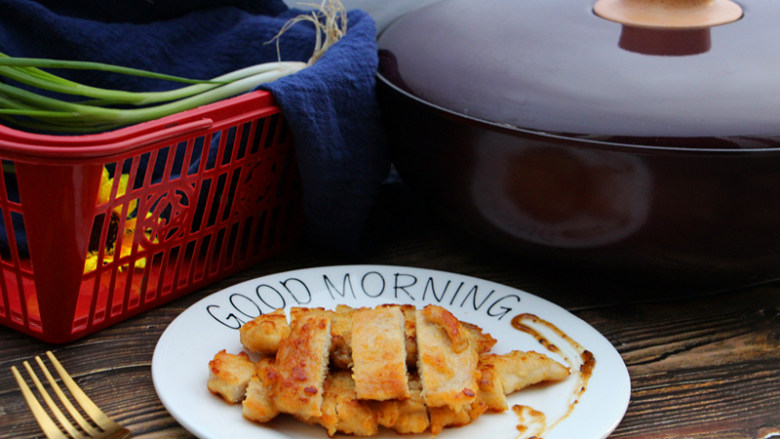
{"x": 104, "y": 195}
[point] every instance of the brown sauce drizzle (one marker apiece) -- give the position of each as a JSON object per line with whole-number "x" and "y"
{"x": 530, "y": 417}
{"x": 583, "y": 366}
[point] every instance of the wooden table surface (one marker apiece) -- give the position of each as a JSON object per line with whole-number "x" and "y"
{"x": 704, "y": 363}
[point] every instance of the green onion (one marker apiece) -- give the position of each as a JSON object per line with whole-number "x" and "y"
{"x": 103, "y": 109}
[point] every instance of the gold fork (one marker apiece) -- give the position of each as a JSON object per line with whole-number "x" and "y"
{"x": 101, "y": 426}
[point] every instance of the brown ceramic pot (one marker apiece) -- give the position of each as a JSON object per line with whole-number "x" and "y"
{"x": 542, "y": 127}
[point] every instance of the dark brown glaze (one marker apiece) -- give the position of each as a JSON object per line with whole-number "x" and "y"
{"x": 583, "y": 365}
{"x": 527, "y": 417}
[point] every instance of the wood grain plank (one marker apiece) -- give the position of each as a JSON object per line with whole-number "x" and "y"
{"x": 704, "y": 363}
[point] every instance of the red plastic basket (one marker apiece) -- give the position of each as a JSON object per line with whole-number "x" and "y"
{"x": 97, "y": 228}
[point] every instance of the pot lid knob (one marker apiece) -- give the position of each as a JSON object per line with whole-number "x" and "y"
{"x": 674, "y": 14}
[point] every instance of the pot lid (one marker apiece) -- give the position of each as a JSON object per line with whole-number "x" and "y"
{"x": 557, "y": 66}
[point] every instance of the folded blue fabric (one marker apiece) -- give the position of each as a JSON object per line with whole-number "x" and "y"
{"x": 331, "y": 107}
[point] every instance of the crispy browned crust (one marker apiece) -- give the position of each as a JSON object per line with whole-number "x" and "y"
{"x": 354, "y": 370}
{"x": 258, "y": 406}
{"x": 379, "y": 353}
{"x": 442, "y": 417}
{"x": 483, "y": 341}
{"x": 302, "y": 363}
{"x": 491, "y": 392}
{"x": 406, "y": 416}
{"x": 229, "y": 375}
{"x": 264, "y": 333}
{"x": 449, "y": 378}
{"x": 342, "y": 411}
{"x": 449, "y": 324}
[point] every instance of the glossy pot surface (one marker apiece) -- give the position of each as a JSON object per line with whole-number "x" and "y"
{"x": 699, "y": 206}
{"x": 555, "y": 66}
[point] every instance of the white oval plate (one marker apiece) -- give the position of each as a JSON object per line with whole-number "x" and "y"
{"x": 180, "y": 361}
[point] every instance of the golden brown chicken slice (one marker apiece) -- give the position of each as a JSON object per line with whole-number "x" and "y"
{"x": 354, "y": 370}
{"x": 302, "y": 363}
{"x": 264, "y": 333}
{"x": 258, "y": 405}
{"x": 507, "y": 373}
{"x": 342, "y": 411}
{"x": 406, "y": 416}
{"x": 447, "y": 360}
{"x": 229, "y": 375}
{"x": 484, "y": 342}
{"x": 379, "y": 353}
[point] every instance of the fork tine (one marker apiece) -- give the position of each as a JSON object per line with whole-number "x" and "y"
{"x": 48, "y": 426}
{"x": 83, "y": 400}
{"x": 64, "y": 422}
{"x": 74, "y": 413}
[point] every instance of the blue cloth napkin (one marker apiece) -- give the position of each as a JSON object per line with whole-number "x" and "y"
{"x": 331, "y": 107}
